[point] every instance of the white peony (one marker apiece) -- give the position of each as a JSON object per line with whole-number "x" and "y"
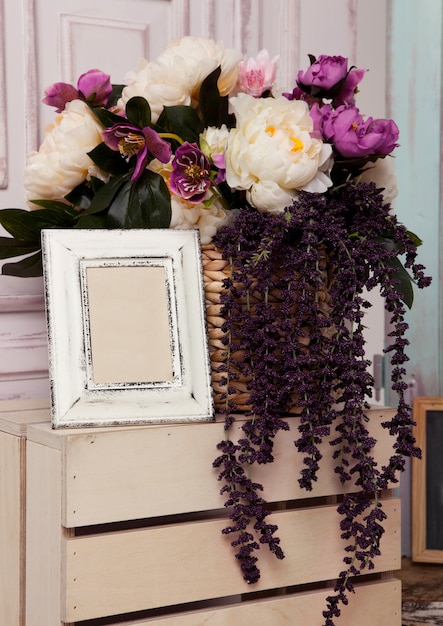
{"x": 208, "y": 220}
{"x": 382, "y": 173}
{"x": 175, "y": 77}
{"x": 271, "y": 153}
{"x": 213, "y": 140}
{"x": 61, "y": 162}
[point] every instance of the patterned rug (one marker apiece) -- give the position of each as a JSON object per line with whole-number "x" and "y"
{"x": 422, "y": 614}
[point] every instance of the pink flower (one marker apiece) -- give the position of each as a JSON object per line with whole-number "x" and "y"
{"x": 256, "y": 76}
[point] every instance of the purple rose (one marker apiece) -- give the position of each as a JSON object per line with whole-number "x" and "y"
{"x": 346, "y": 94}
{"x": 329, "y": 77}
{"x": 323, "y": 75}
{"x": 318, "y": 113}
{"x": 190, "y": 176}
{"x": 353, "y": 136}
{"x": 130, "y": 141}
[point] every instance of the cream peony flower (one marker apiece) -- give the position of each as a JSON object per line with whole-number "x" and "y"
{"x": 208, "y": 220}
{"x": 213, "y": 140}
{"x": 175, "y": 77}
{"x": 61, "y": 162}
{"x": 271, "y": 153}
{"x": 382, "y": 173}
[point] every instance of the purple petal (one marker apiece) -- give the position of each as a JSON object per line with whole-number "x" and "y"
{"x": 59, "y": 94}
{"x": 95, "y": 87}
{"x": 158, "y": 147}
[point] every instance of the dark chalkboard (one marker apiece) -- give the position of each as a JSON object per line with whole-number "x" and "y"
{"x": 427, "y": 482}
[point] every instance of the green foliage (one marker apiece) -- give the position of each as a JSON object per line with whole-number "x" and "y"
{"x": 138, "y": 112}
{"x": 214, "y": 107}
{"x": 182, "y": 121}
{"x": 146, "y": 203}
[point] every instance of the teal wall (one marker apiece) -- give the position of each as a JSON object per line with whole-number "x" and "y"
{"x": 415, "y": 76}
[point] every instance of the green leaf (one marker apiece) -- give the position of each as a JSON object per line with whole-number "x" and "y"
{"x": 115, "y": 95}
{"x": 143, "y": 204}
{"x": 183, "y": 121}
{"x": 26, "y": 225}
{"x": 98, "y": 220}
{"x": 81, "y": 195}
{"x": 105, "y": 195}
{"x": 118, "y": 209}
{"x": 108, "y": 160}
{"x": 105, "y": 117}
{"x": 55, "y": 205}
{"x": 417, "y": 241}
{"x": 138, "y": 112}
{"x": 9, "y": 246}
{"x": 213, "y": 106}
{"x": 30, "y": 267}
{"x": 405, "y": 282}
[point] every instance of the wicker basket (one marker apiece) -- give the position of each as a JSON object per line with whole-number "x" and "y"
{"x": 215, "y": 270}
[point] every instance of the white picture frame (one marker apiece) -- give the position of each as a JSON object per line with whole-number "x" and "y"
{"x": 127, "y": 337}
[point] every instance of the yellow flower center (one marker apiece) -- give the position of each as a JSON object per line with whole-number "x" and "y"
{"x": 297, "y": 143}
{"x": 131, "y": 144}
{"x": 195, "y": 173}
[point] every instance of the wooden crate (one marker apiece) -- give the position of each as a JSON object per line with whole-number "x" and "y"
{"x": 123, "y": 527}
{"x": 15, "y": 417}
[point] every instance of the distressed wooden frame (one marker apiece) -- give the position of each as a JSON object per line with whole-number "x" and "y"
{"x": 175, "y": 387}
{"x": 420, "y": 550}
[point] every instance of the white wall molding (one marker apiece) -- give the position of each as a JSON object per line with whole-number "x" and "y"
{"x": 180, "y": 12}
{"x": 73, "y": 28}
{"x": 32, "y": 102}
{"x": 15, "y": 303}
{"x": 3, "y": 109}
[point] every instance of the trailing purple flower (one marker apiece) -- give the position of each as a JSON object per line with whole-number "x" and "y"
{"x": 317, "y": 256}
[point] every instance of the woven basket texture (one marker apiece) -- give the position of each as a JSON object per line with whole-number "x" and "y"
{"x": 215, "y": 270}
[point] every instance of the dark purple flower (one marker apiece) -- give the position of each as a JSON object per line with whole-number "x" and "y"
{"x": 130, "y": 141}
{"x": 190, "y": 177}
{"x": 93, "y": 86}
{"x": 353, "y": 136}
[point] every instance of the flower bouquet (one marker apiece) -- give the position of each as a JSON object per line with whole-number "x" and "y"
{"x": 291, "y": 194}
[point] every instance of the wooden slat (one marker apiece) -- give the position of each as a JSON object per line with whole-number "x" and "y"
{"x": 123, "y": 474}
{"x": 374, "y": 604}
{"x": 17, "y": 415}
{"x": 43, "y": 535}
{"x": 12, "y": 558}
{"x": 114, "y": 573}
